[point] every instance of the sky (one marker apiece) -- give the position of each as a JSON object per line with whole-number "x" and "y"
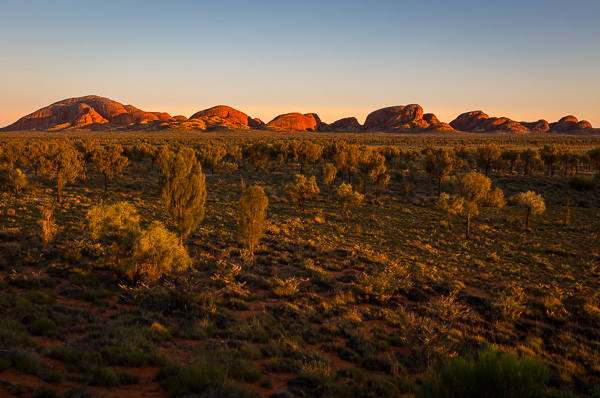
{"x": 526, "y": 59}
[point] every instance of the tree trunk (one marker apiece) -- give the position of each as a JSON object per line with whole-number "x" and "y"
{"x": 58, "y": 192}
{"x": 468, "y": 226}
{"x": 105, "y": 183}
{"x": 527, "y": 219}
{"x": 440, "y": 186}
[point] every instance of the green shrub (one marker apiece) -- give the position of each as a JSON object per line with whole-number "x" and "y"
{"x": 490, "y": 374}
{"x": 583, "y": 183}
{"x": 42, "y": 326}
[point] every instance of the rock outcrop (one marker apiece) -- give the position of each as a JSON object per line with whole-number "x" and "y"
{"x": 479, "y": 122}
{"x": 409, "y": 117}
{"x": 229, "y": 116}
{"x": 347, "y": 124}
{"x": 80, "y": 112}
{"x": 295, "y": 122}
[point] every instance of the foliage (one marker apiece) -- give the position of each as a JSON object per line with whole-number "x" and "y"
{"x": 533, "y": 202}
{"x": 349, "y": 199}
{"x": 109, "y": 161}
{"x": 489, "y": 374}
{"x": 156, "y": 253}
{"x": 251, "y": 217}
{"x": 302, "y": 190}
{"x": 182, "y": 190}
{"x": 61, "y": 162}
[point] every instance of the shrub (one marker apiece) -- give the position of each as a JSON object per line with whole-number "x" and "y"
{"x": 490, "y": 374}
{"x": 583, "y": 183}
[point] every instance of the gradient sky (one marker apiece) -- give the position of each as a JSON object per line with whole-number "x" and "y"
{"x": 526, "y": 59}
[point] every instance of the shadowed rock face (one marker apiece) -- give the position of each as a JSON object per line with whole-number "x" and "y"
{"x": 295, "y": 122}
{"x": 83, "y": 111}
{"x": 349, "y": 124}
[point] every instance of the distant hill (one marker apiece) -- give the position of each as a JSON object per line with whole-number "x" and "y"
{"x": 96, "y": 112}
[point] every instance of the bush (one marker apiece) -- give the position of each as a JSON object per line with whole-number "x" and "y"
{"x": 583, "y": 183}
{"x": 491, "y": 374}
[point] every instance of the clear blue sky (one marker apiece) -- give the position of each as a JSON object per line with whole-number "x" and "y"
{"x": 526, "y": 59}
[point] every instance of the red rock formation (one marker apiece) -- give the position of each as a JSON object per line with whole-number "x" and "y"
{"x": 180, "y": 118}
{"x": 384, "y": 117}
{"x": 583, "y": 125}
{"x": 72, "y": 112}
{"x": 469, "y": 121}
{"x": 411, "y": 113}
{"x": 255, "y": 123}
{"x": 228, "y": 114}
{"x": 432, "y": 120}
{"x": 295, "y": 122}
{"x": 164, "y": 117}
{"x": 349, "y": 124}
{"x": 139, "y": 115}
{"x": 566, "y": 123}
{"x": 396, "y": 117}
{"x": 82, "y": 115}
{"x": 541, "y": 125}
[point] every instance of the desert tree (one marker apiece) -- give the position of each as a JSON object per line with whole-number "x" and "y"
{"x": 594, "y": 156}
{"x": 308, "y": 152}
{"x": 551, "y": 155}
{"x": 87, "y": 147}
{"x": 372, "y": 164}
{"x": 33, "y": 154}
{"x": 528, "y": 160}
{"x": 47, "y": 224}
{"x": 349, "y": 199}
{"x": 487, "y": 155}
{"x": 16, "y": 180}
{"x": 328, "y": 173}
{"x": 533, "y": 203}
{"x": 258, "y": 154}
{"x": 379, "y": 176}
{"x": 182, "y": 190}
{"x": 511, "y": 156}
{"x": 345, "y": 158}
{"x": 251, "y": 217}
{"x": 449, "y": 206}
{"x": 234, "y": 152}
{"x": 228, "y": 168}
{"x": 110, "y": 161}
{"x": 474, "y": 189}
{"x": 61, "y": 162}
{"x": 466, "y": 155}
{"x": 210, "y": 154}
{"x": 116, "y": 224}
{"x": 302, "y": 189}
{"x": 139, "y": 255}
{"x": 439, "y": 163}
{"x": 156, "y": 253}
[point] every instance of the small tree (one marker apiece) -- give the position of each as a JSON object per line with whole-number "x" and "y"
{"x": 328, "y": 174}
{"x": 473, "y": 188}
{"x": 87, "y": 148}
{"x": 110, "y": 161}
{"x": 451, "y": 207}
{"x": 302, "y": 190}
{"x": 140, "y": 256}
{"x": 182, "y": 190}
{"x": 49, "y": 227}
{"x": 156, "y": 253}
{"x": 487, "y": 156}
{"x": 117, "y": 225}
{"x": 349, "y": 199}
{"x": 61, "y": 162}
{"x": 439, "y": 163}
{"x": 534, "y": 204}
{"x": 251, "y": 217}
